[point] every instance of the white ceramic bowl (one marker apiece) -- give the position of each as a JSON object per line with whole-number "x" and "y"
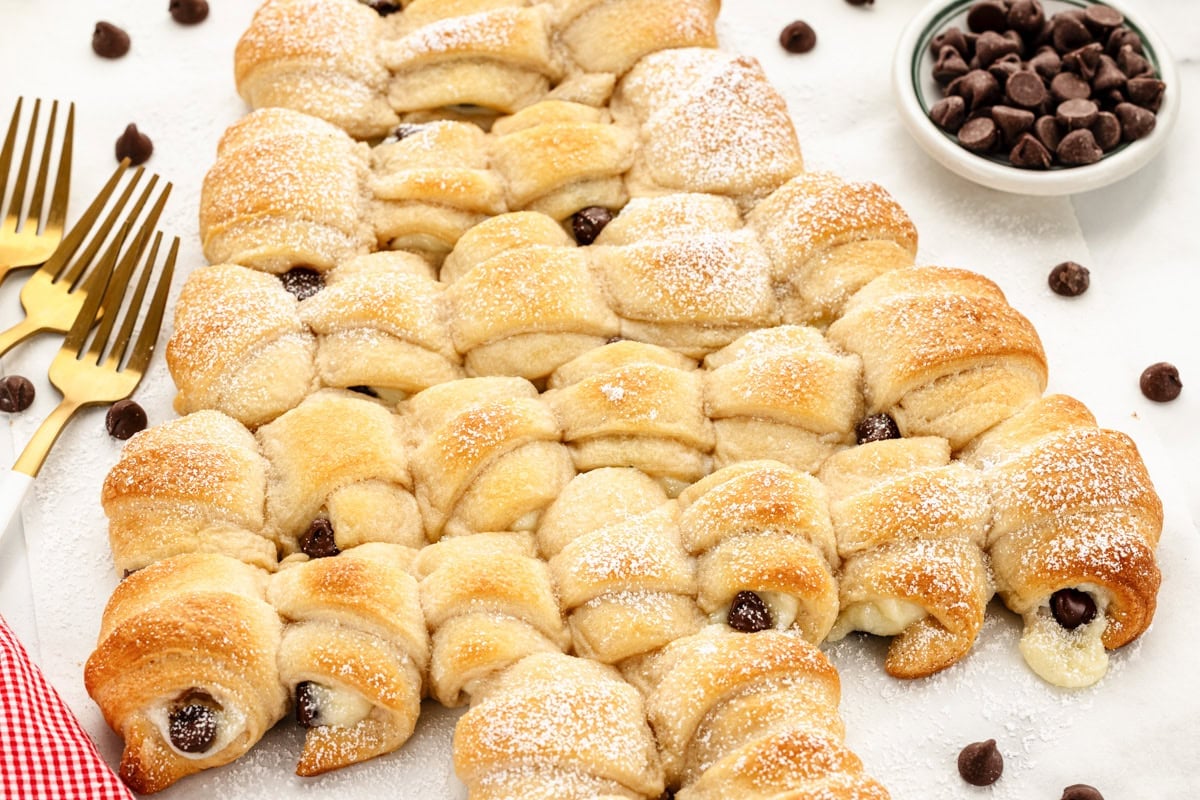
{"x": 916, "y": 92}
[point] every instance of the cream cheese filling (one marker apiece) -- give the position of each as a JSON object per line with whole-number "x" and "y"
{"x": 1072, "y": 659}
{"x": 884, "y": 617}
{"x": 338, "y": 707}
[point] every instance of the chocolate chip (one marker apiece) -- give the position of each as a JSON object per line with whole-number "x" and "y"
{"x": 303, "y": 282}
{"x": 109, "y": 41}
{"x": 319, "y": 540}
{"x": 949, "y": 65}
{"x": 992, "y": 45}
{"x": 1136, "y": 122}
{"x": 1026, "y": 17}
{"x": 987, "y": 15}
{"x": 1046, "y": 62}
{"x": 126, "y": 573}
{"x": 1081, "y": 791}
{"x": 1121, "y": 37}
{"x": 1025, "y": 89}
{"x": 749, "y": 613}
{"x": 1079, "y": 148}
{"x": 1102, "y": 19}
{"x": 949, "y": 113}
{"x": 1107, "y": 130}
{"x": 1084, "y": 61}
{"x": 588, "y": 222}
{"x": 798, "y": 37}
{"x": 402, "y": 131}
{"x": 193, "y": 727}
{"x": 1069, "y": 279}
{"x": 16, "y": 394}
{"x": 1048, "y": 133}
{"x": 1160, "y": 382}
{"x": 1108, "y": 75}
{"x": 977, "y": 87}
{"x": 1146, "y": 91}
{"x": 980, "y": 764}
{"x": 1012, "y": 122}
{"x": 1076, "y": 114}
{"x": 1072, "y": 608}
{"x": 124, "y": 419}
{"x": 134, "y": 145}
{"x": 367, "y": 390}
{"x": 979, "y": 135}
{"x": 1070, "y": 32}
{"x": 1133, "y": 63}
{"x": 1029, "y": 153}
{"x": 876, "y": 428}
{"x": 382, "y": 7}
{"x": 307, "y": 709}
{"x": 1004, "y": 68}
{"x": 188, "y": 12}
{"x": 1069, "y": 86}
{"x": 951, "y": 37}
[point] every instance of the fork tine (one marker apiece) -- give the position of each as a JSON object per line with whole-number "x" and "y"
{"x": 10, "y": 142}
{"x": 144, "y": 347}
{"x": 57, "y": 217}
{"x": 72, "y": 272}
{"x": 96, "y": 286}
{"x": 39, "y": 185}
{"x": 17, "y": 200}
{"x": 117, "y": 351}
{"x": 74, "y": 238}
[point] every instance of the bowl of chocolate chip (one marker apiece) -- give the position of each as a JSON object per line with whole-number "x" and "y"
{"x": 1039, "y": 97}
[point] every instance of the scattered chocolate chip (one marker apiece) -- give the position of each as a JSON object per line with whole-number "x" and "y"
{"x": 1029, "y": 153}
{"x": 1025, "y": 89}
{"x": 1069, "y": 279}
{"x": 1136, "y": 122}
{"x": 977, "y": 87}
{"x": 307, "y": 710}
{"x": 1079, "y": 148}
{"x": 749, "y": 613}
{"x": 382, "y": 7}
{"x": 949, "y": 66}
{"x": 16, "y": 393}
{"x": 134, "y": 145}
{"x": 1070, "y": 32}
{"x": 876, "y": 428}
{"x": 1072, "y": 608}
{"x": 1160, "y": 382}
{"x": 319, "y": 540}
{"x": 193, "y": 727}
{"x": 1026, "y": 17}
{"x": 188, "y": 12}
{"x": 1102, "y": 19}
{"x": 798, "y": 37}
{"x": 980, "y": 764}
{"x": 1012, "y": 122}
{"x": 1107, "y": 130}
{"x": 588, "y": 222}
{"x": 987, "y": 15}
{"x": 1069, "y": 86}
{"x": 949, "y": 113}
{"x": 1076, "y": 114}
{"x": 124, "y": 419}
{"x": 109, "y": 41}
{"x": 1081, "y": 791}
{"x": 979, "y": 135}
{"x": 1048, "y": 133}
{"x": 303, "y": 282}
{"x": 1046, "y": 62}
{"x": 1146, "y": 91}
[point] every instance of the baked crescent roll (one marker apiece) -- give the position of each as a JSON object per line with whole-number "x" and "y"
{"x": 557, "y": 728}
{"x": 517, "y": 230}
{"x": 527, "y": 311}
{"x": 628, "y": 588}
{"x": 943, "y": 352}
{"x": 749, "y": 147}
{"x": 1075, "y": 526}
{"x": 185, "y": 670}
{"x": 286, "y": 190}
{"x": 684, "y": 215}
{"x": 910, "y": 527}
{"x": 353, "y": 654}
{"x": 612, "y": 35}
{"x": 194, "y": 484}
{"x": 827, "y": 238}
{"x": 431, "y": 183}
{"x": 765, "y": 549}
{"x": 239, "y": 346}
{"x": 558, "y": 157}
{"x": 629, "y": 404}
{"x": 782, "y": 393}
{"x": 595, "y": 499}
{"x": 338, "y": 476}
{"x": 489, "y": 603}
{"x": 489, "y": 457}
{"x": 752, "y": 716}
{"x": 382, "y": 322}
{"x": 319, "y": 57}
{"x": 497, "y": 56}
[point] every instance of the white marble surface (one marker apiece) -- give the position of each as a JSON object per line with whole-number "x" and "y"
{"x": 1135, "y": 236}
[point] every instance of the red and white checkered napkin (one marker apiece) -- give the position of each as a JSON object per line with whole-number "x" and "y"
{"x": 44, "y": 753}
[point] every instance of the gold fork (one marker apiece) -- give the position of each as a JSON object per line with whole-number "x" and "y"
{"x": 53, "y": 295}
{"x": 27, "y": 240}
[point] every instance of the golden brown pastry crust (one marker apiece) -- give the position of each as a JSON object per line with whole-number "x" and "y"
{"x": 612, "y": 35}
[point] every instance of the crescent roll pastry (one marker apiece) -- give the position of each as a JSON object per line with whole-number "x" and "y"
{"x": 319, "y": 57}
{"x": 527, "y": 311}
{"x": 431, "y": 183}
{"x": 910, "y": 527}
{"x": 185, "y": 669}
{"x": 1072, "y": 541}
{"x": 628, "y": 588}
{"x": 782, "y": 393}
{"x": 594, "y": 500}
{"x": 194, "y": 484}
{"x": 558, "y": 728}
{"x": 490, "y": 457}
{"x": 338, "y": 476}
{"x": 752, "y": 716}
{"x": 286, "y": 189}
{"x": 612, "y": 35}
{"x": 495, "y": 55}
{"x": 488, "y": 603}
{"x": 827, "y": 238}
{"x": 765, "y": 548}
{"x": 943, "y": 352}
{"x": 382, "y": 322}
{"x": 353, "y": 653}
{"x": 558, "y": 157}
{"x": 629, "y": 404}
{"x": 239, "y": 345}
{"x": 749, "y": 146}
{"x": 517, "y": 230}
{"x": 671, "y": 216}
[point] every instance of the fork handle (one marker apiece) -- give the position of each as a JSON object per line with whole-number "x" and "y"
{"x": 13, "y": 488}
{"x": 31, "y": 458}
{"x": 18, "y": 333}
